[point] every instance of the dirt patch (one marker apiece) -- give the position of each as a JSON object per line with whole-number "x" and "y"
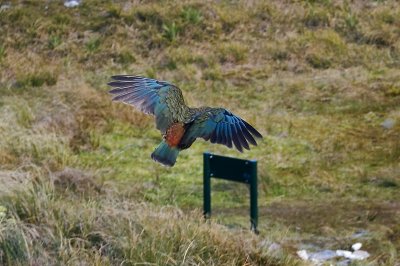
{"x": 311, "y": 217}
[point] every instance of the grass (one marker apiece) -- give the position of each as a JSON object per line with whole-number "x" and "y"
{"x": 317, "y": 78}
{"x": 55, "y": 222}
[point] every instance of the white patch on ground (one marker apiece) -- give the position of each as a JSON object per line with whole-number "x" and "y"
{"x": 72, "y": 3}
{"x": 388, "y": 123}
{"x": 303, "y": 254}
{"x": 325, "y": 255}
{"x": 356, "y": 246}
{"x": 358, "y": 255}
{"x": 343, "y": 253}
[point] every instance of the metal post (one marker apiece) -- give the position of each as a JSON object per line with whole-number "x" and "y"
{"x": 253, "y": 197}
{"x": 233, "y": 169}
{"x": 207, "y": 186}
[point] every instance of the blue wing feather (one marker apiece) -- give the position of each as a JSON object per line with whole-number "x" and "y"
{"x": 220, "y": 126}
{"x": 235, "y": 138}
{"x": 221, "y": 134}
{"x": 228, "y": 134}
{"x": 247, "y": 134}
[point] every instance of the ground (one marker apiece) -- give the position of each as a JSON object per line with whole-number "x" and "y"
{"x": 319, "y": 79}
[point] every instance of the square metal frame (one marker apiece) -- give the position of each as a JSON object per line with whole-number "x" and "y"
{"x": 232, "y": 169}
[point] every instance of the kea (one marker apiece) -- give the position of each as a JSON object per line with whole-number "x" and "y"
{"x": 179, "y": 124}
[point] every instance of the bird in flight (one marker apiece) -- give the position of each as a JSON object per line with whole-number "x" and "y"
{"x": 179, "y": 124}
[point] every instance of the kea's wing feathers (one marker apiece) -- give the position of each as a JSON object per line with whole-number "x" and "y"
{"x": 221, "y": 126}
{"x": 159, "y": 98}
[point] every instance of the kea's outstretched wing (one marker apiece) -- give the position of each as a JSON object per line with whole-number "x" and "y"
{"x": 159, "y": 98}
{"x": 221, "y": 126}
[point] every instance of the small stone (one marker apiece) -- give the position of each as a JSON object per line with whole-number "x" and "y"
{"x": 302, "y": 254}
{"x": 359, "y": 255}
{"x": 343, "y": 253}
{"x": 72, "y": 3}
{"x": 356, "y": 246}
{"x": 388, "y": 123}
{"x": 323, "y": 255}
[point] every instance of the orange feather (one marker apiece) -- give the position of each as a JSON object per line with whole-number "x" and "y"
{"x": 174, "y": 134}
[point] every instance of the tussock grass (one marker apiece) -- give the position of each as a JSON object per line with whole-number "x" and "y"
{"x": 41, "y": 225}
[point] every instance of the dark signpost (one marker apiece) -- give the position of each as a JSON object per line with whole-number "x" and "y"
{"x": 233, "y": 169}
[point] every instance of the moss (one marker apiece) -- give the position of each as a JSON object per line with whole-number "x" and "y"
{"x": 37, "y": 79}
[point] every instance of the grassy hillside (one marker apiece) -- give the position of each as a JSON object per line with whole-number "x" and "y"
{"x": 319, "y": 79}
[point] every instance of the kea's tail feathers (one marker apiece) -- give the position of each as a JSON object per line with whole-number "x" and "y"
{"x": 165, "y": 154}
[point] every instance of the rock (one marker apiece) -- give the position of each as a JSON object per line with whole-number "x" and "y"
{"x": 302, "y": 254}
{"x": 72, "y": 3}
{"x": 329, "y": 255}
{"x": 388, "y": 123}
{"x": 319, "y": 256}
{"x": 343, "y": 253}
{"x": 356, "y": 255}
{"x": 356, "y": 246}
{"x": 323, "y": 255}
{"x": 359, "y": 255}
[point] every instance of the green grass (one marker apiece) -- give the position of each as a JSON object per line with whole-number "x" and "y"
{"x": 317, "y": 78}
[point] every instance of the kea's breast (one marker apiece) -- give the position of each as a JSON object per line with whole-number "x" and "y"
{"x": 174, "y": 134}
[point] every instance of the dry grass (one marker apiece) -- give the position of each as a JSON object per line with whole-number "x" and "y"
{"x": 42, "y": 226}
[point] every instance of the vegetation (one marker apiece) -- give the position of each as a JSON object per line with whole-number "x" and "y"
{"x": 319, "y": 79}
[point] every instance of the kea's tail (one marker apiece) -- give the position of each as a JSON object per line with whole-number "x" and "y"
{"x": 165, "y": 154}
